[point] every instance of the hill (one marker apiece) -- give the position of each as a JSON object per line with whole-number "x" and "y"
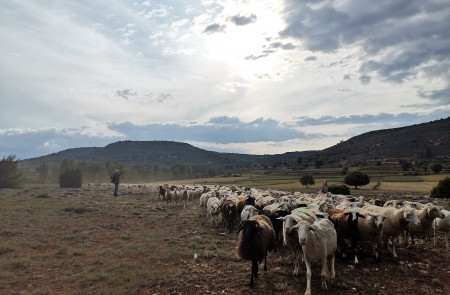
{"x": 426, "y": 142}
{"x": 159, "y": 153}
{"x": 422, "y": 142}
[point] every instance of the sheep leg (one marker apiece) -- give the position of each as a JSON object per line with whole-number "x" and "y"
{"x": 308, "y": 276}
{"x": 354, "y": 246}
{"x": 265, "y": 262}
{"x": 324, "y": 273}
{"x": 392, "y": 243}
{"x": 446, "y": 240}
{"x": 333, "y": 274}
{"x": 296, "y": 255}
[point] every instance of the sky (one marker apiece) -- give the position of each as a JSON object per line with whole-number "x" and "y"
{"x": 253, "y": 77}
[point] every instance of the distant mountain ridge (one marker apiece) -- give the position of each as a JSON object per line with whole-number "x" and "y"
{"x": 426, "y": 141}
{"x": 159, "y": 153}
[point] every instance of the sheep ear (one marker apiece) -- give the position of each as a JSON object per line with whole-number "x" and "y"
{"x": 360, "y": 215}
{"x": 281, "y": 218}
{"x": 371, "y": 214}
{"x": 312, "y": 228}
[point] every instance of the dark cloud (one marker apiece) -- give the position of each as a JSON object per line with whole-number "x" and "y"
{"x": 44, "y": 142}
{"x": 364, "y": 79}
{"x": 271, "y": 48}
{"x": 311, "y": 58}
{"x": 214, "y": 28}
{"x": 242, "y": 20}
{"x": 391, "y": 120}
{"x": 399, "y": 38}
{"x": 255, "y": 57}
{"x": 441, "y": 95}
{"x": 164, "y": 97}
{"x": 126, "y": 93}
{"x": 221, "y": 130}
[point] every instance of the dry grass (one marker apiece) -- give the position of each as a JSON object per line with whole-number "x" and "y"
{"x": 85, "y": 241}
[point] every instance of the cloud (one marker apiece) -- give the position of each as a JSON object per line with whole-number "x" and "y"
{"x": 397, "y": 39}
{"x": 214, "y": 28}
{"x": 242, "y": 20}
{"x": 126, "y": 93}
{"x": 42, "y": 142}
{"x": 441, "y": 95}
{"x": 311, "y": 58}
{"x": 402, "y": 119}
{"x": 221, "y": 130}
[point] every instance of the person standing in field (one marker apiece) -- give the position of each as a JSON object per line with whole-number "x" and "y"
{"x": 325, "y": 187}
{"x": 115, "y": 180}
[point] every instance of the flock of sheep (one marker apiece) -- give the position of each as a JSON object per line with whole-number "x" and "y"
{"x": 316, "y": 227}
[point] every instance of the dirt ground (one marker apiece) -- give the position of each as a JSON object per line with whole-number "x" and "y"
{"x": 87, "y": 242}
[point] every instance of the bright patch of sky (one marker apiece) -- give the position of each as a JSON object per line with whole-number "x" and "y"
{"x": 258, "y": 77}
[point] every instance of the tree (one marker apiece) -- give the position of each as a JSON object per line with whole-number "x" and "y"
{"x": 442, "y": 190}
{"x": 9, "y": 175}
{"x": 344, "y": 170}
{"x": 357, "y": 178}
{"x": 319, "y": 164}
{"x": 436, "y": 168}
{"x": 70, "y": 178}
{"x": 406, "y": 165}
{"x": 307, "y": 180}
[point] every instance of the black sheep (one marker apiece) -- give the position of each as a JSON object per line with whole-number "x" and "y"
{"x": 256, "y": 238}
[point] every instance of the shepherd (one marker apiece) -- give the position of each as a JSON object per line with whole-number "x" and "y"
{"x": 115, "y": 180}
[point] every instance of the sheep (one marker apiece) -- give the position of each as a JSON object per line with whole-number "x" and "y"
{"x": 168, "y": 197}
{"x": 184, "y": 196}
{"x": 346, "y": 225}
{"x": 213, "y": 209}
{"x": 426, "y": 216}
{"x": 370, "y": 228}
{"x": 274, "y": 211}
{"x": 319, "y": 243}
{"x": 162, "y": 192}
{"x": 395, "y": 224}
{"x": 394, "y": 203}
{"x": 290, "y": 237}
{"x": 248, "y": 212}
{"x": 242, "y": 202}
{"x": 228, "y": 209}
{"x": 442, "y": 225}
{"x": 256, "y": 238}
{"x": 204, "y": 199}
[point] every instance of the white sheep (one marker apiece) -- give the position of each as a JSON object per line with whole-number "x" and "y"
{"x": 213, "y": 209}
{"x": 290, "y": 237}
{"x": 442, "y": 225}
{"x": 396, "y": 223}
{"x": 426, "y": 216}
{"x": 248, "y": 212}
{"x": 204, "y": 199}
{"x": 319, "y": 243}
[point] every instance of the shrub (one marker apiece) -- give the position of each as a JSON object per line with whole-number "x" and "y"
{"x": 9, "y": 176}
{"x": 307, "y": 180}
{"x": 442, "y": 190}
{"x": 357, "y": 178}
{"x": 339, "y": 189}
{"x": 436, "y": 168}
{"x": 70, "y": 178}
{"x": 344, "y": 170}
